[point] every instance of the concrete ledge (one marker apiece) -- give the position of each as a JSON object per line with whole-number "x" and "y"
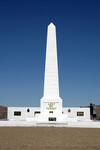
{"x": 80, "y": 124}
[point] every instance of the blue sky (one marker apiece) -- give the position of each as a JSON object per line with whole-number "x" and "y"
{"x": 23, "y": 32}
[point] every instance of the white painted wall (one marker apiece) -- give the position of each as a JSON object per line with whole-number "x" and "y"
{"x": 43, "y": 117}
{"x": 74, "y": 110}
{"x": 54, "y": 105}
{"x": 24, "y": 113}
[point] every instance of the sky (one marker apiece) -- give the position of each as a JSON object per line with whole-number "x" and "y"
{"x": 23, "y": 33}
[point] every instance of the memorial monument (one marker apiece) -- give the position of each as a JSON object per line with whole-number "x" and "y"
{"x": 51, "y": 103}
{"x": 50, "y": 110}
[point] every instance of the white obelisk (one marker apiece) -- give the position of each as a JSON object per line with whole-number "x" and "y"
{"x": 51, "y": 100}
{"x": 51, "y": 84}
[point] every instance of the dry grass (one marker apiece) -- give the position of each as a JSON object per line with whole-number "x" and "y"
{"x": 49, "y": 138}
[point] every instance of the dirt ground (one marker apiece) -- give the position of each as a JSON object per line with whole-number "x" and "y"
{"x": 49, "y": 138}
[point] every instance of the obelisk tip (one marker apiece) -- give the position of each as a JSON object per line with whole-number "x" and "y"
{"x": 51, "y": 25}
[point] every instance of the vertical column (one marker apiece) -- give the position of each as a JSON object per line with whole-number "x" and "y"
{"x": 51, "y": 83}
